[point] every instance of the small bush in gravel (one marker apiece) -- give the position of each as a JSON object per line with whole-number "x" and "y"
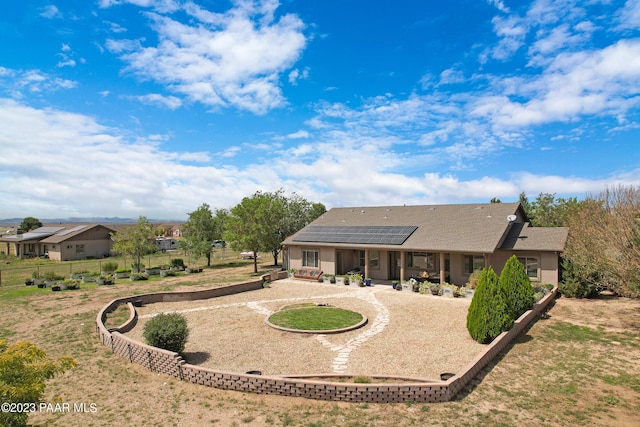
{"x": 167, "y": 331}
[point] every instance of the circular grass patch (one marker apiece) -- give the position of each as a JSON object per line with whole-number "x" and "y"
{"x": 314, "y": 318}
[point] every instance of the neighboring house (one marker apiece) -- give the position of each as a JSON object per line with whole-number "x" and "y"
{"x": 449, "y": 242}
{"x": 62, "y": 242}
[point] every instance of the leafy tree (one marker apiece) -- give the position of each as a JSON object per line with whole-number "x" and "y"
{"x": 298, "y": 212}
{"x": 24, "y": 368}
{"x": 604, "y": 241}
{"x": 262, "y": 222}
{"x": 168, "y": 331}
{"x": 548, "y": 211}
{"x": 30, "y": 223}
{"x": 495, "y": 200}
{"x": 135, "y": 241}
{"x": 526, "y": 205}
{"x": 201, "y": 230}
{"x": 253, "y": 224}
{"x": 516, "y": 285}
{"x": 489, "y": 313}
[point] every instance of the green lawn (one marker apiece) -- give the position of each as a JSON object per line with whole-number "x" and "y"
{"x": 315, "y": 318}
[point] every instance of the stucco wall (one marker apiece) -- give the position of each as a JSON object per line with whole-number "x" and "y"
{"x": 92, "y": 248}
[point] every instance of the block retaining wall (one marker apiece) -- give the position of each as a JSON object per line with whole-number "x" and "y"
{"x": 308, "y": 386}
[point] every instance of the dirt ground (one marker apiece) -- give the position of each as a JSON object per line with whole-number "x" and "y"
{"x": 578, "y": 365}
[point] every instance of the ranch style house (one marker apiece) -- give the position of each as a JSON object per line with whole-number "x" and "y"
{"x": 61, "y": 242}
{"x": 448, "y": 242}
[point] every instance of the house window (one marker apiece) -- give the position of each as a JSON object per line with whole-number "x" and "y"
{"x": 79, "y": 249}
{"x": 422, "y": 260}
{"x": 473, "y": 263}
{"x": 310, "y": 259}
{"x": 531, "y": 265}
{"x": 374, "y": 259}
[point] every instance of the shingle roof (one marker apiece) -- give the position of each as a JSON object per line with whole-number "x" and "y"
{"x": 35, "y": 235}
{"x": 71, "y": 231}
{"x": 478, "y": 228}
{"x": 522, "y": 237}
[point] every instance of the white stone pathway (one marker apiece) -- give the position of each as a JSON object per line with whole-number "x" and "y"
{"x": 379, "y": 323}
{"x": 343, "y": 351}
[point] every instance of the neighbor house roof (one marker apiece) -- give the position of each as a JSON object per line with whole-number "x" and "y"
{"x": 72, "y": 231}
{"x": 479, "y": 228}
{"x": 52, "y": 234}
{"x": 34, "y": 235}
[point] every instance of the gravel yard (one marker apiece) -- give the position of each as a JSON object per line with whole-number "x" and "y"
{"x": 408, "y": 334}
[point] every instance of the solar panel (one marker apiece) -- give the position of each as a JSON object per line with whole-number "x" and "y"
{"x": 356, "y": 234}
{"x": 71, "y": 230}
{"x": 47, "y": 229}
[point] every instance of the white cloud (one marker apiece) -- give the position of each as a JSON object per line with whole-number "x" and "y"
{"x": 298, "y": 135}
{"x": 230, "y": 152}
{"x": 162, "y": 6}
{"x": 231, "y": 59}
{"x": 17, "y": 82}
{"x": 170, "y": 102}
{"x": 104, "y": 174}
{"x": 451, "y": 76}
{"x": 66, "y": 63}
{"x": 574, "y": 84}
{"x": 50, "y": 12}
{"x": 629, "y": 15}
{"x": 296, "y": 75}
{"x": 499, "y": 4}
{"x": 66, "y": 55}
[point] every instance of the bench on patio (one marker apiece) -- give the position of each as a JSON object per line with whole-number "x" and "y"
{"x": 308, "y": 274}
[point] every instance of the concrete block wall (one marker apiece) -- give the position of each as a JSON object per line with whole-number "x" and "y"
{"x": 307, "y": 386}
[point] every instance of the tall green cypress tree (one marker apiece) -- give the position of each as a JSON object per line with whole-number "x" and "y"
{"x": 515, "y": 283}
{"x": 489, "y": 313}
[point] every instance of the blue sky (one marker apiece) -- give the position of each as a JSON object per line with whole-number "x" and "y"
{"x": 153, "y": 107}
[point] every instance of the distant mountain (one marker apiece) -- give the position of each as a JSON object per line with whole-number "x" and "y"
{"x": 92, "y": 220}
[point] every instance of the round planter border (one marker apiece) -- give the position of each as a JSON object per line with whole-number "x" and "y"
{"x": 319, "y": 331}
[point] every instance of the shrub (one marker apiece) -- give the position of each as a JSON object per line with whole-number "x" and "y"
{"x": 176, "y": 262}
{"x": 573, "y": 285}
{"x": 110, "y": 266}
{"x": 516, "y": 285}
{"x": 167, "y": 331}
{"x": 51, "y": 275}
{"x": 24, "y": 369}
{"x": 473, "y": 279}
{"x": 489, "y": 313}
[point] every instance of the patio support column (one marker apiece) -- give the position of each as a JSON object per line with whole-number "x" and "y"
{"x": 366, "y": 263}
{"x": 402, "y": 262}
{"x": 442, "y": 272}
